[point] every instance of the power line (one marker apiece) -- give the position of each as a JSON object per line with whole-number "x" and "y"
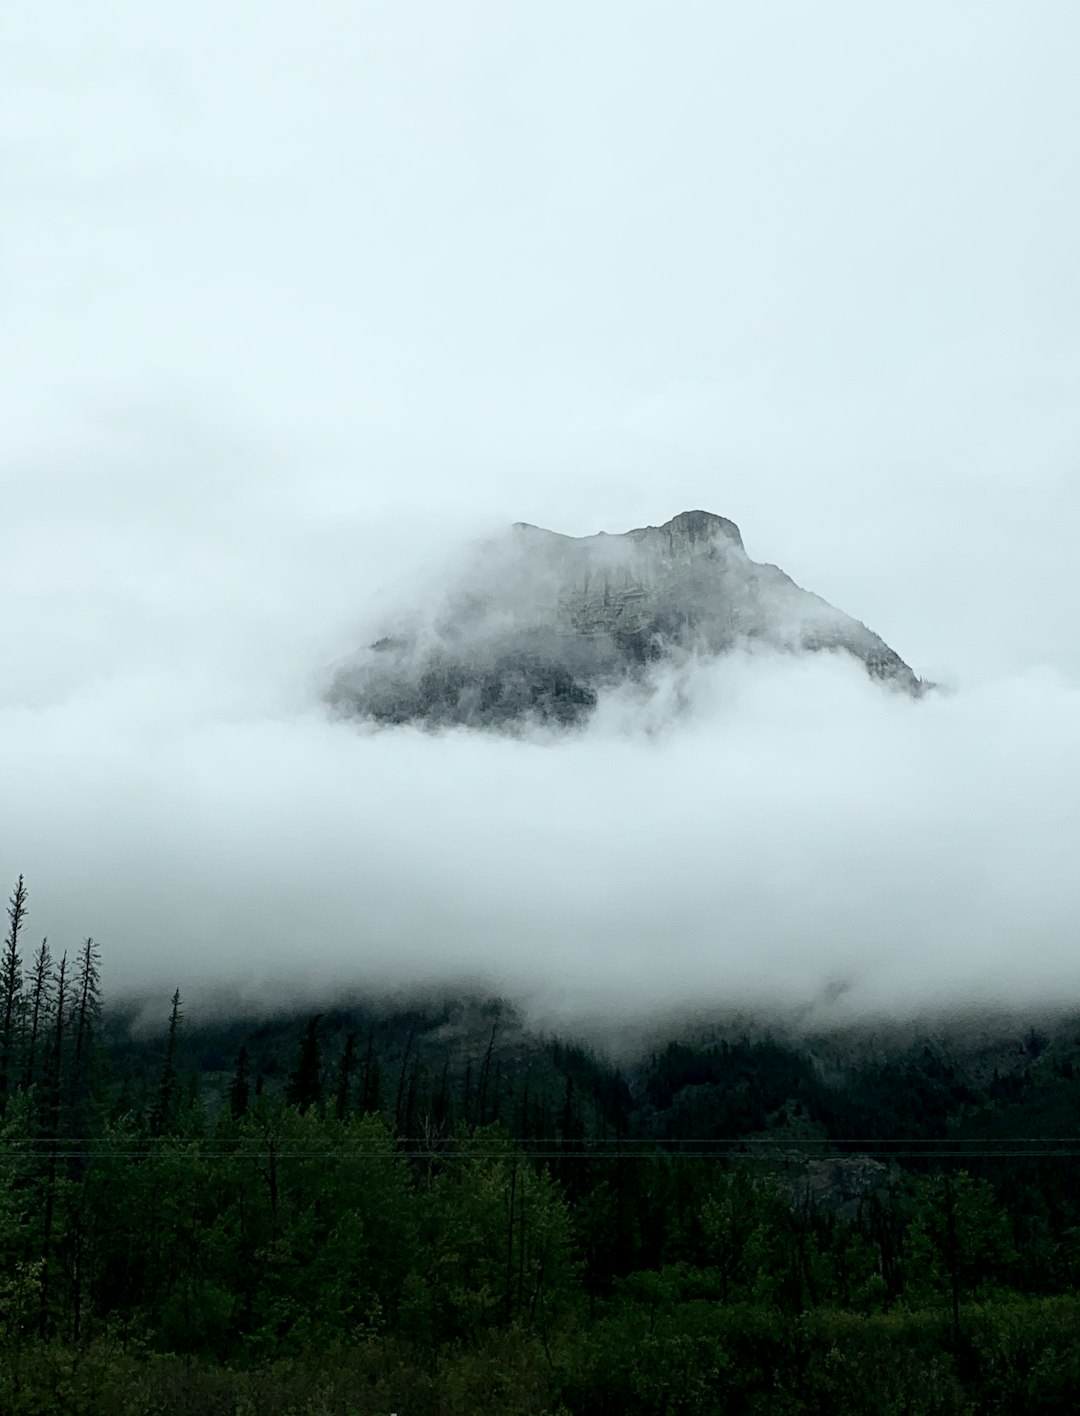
{"x": 194, "y": 1152}
{"x": 560, "y": 1141}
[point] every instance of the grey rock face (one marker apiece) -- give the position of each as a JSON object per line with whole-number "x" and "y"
{"x": 540, "y": 623}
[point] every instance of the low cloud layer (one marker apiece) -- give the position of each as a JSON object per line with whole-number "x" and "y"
{"x": 763, "y": 830}
{"x": 296, "y": 307}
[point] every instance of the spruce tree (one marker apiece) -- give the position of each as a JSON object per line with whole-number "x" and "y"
{"x": 56, "y": 1049}
{"x": 440, "y": 1110}
{"x": 371, "y": 1088}
{"x": 348, "y": 1061}
{"x": 485, "y": 1072}
{"x": 40, "y": 1001}
{"x": 164, "y": 1112}
{"x": 240, "y": 1090}
{"x": 402, "y": 1076}
{"x": 305, "y": 1083}
{"x": 11, "y": 987}
{"x": 52, "y": 1132}
{"x": 85, "y": 1016}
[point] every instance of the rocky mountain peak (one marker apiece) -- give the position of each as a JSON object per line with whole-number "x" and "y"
{"x": 693, "y": 529}
{"x": 539, "y": 623}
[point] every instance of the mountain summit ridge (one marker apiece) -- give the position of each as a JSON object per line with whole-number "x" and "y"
{"x": 539, "y": 623}
{"x": 694, "y": 526}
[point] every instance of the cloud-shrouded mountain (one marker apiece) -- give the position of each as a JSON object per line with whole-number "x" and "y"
{"x": 538, "y": 624}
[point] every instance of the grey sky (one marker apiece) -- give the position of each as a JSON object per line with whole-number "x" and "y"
{"x": 296, "y": 298}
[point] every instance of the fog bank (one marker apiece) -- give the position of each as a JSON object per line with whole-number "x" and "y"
{"x": 298, "y": 305}
{"x": 762, "y": 830}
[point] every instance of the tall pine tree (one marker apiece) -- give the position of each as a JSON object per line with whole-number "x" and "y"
{"x": 348, "y": 1061}
{"x": 240, "y": 1089}
{"x": 11, "y": 988}
{"x": 41, "y": 983}
{"x": 85, "y": 1016}
{"x": 163, "y": 1115}
{"x": 305, "y": 1083}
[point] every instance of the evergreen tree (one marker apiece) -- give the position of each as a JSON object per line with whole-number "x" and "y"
{"x": 56, "y": 1050}
{"x": 55, "y": 1080}
{"x": 348, "y": 1061}
{"x": 440, "y": 1111}
{"x": 11, "y": 987}
{"x": 401, "y": 1078}
{"x": 305, "y": 1082}
{"x": 85, "y": 1016}
{"x": 485, "y": 1073}
{"x": 371, "y": 1088}
{"x": 164, "y": 1113}
{"x": 240, "y": 1090}
{"x": 40, "y": 1000}
{"x": 410, "y": 1102}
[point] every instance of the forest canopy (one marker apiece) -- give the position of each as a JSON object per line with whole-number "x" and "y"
{"x": 426, "y": 1207}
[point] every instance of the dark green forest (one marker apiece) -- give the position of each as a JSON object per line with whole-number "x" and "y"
{"x": 423, "y": 1206}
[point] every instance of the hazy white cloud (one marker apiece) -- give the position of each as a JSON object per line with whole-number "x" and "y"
{"x": 293, "y": 305}
{"x": 758, "y": 831}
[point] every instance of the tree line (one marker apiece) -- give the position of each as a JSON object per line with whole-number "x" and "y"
{"x": 346, "y": 1219}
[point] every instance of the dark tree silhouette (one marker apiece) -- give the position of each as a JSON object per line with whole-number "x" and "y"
{"x": 348, "y": 1062}
{"x": 85, "y": 1015}
{"x": 56, "y": 1073}
{"x": 164, "y": 1113}
{"x": 305, "y": 1082}
{"x": 371, "y": 1088}
{"x": 40, "y": 1001}
{"x": 11, "y": 986}
{"x": 240, "y": 1090}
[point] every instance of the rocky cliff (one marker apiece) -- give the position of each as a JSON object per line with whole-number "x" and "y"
{"x": 540, "y": 623}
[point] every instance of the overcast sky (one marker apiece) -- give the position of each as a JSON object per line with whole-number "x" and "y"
{"x": 294, "y": 300}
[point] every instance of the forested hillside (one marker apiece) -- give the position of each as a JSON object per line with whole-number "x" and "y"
{"x": 424, "y": 1207}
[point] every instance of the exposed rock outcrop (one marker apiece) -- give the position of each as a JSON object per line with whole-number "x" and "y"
{"x": 540, "y": 623}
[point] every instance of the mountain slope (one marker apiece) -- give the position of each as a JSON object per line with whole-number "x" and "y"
{"x": 540, "y": 623}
